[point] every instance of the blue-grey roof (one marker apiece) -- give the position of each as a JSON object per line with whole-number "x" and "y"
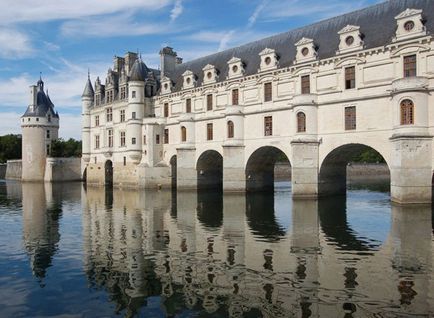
{"x": 43, "y": 104}
{"x": 377, "y": 24}
{"x": 88, "y": 89}
{"x": 139, "y": 71}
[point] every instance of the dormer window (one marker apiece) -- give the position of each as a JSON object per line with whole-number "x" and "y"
{"x": 210, "y": 74}
{"x": 306, "y": 51}
{"x": 408, "y": 26}
{"x": 236, "y": 68}
{"x": 189, "y": 79}
{"x": 166, "y": 85}
{"x": 268, "y": 59}
{"x": 350, "y": 39}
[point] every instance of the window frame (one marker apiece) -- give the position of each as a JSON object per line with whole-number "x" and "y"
{"x": 406, "y": 112}
{"x": 209, "y": 131}
{"x": 188, "y": 105}
{"x": 183, "y": 134}
{"x": 301, "y": 122}
{"x": 166, "y": 136}
{"x": 305, "y": 84}
{"x": 209, "y": 102}
{"x": 350, "y": 77}
{"x": 410, "y": 65}
{"x": 268, "y": 126}
{"x": 235, "y": 96}
{"x": 268, "y": 92}
{"x": 350, "y": 118}
{"x": 230, "y": 129}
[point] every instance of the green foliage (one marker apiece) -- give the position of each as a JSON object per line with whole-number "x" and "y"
{"x": 68, "y": 148}
{"x": 369, "y": 156}
{"x": 10, "y": 147}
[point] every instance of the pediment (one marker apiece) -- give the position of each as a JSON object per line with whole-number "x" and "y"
{"x": 234, "y": 60}
{"x": 304, "y": 41}
{"x": 208, "y": 67}
{"x": 267, "y": 51}
{"x": 408, "y": 13}
{"x": 187, "y": 73}
{"x": 349, "y": 28}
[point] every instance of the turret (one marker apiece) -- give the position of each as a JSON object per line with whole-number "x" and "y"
{"x": 40, "y": 126}
{"x": 87, "y": 100}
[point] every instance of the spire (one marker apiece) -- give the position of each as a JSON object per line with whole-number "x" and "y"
{"x": 40, "y": 83}
{"x": 88, "y": 89}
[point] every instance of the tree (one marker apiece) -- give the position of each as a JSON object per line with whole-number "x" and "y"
{"x": 10, "y": 147}
{"x": 369, "y": 156}
{"x": 69, "y": 148}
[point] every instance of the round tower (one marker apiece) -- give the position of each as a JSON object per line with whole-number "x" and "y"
{"x": 87, "y": 99}
{"x": 136, "y": 102}
{"x": 40, "y": 126}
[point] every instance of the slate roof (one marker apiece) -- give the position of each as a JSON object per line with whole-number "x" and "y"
{"x": 139, "y": 71}
{"x": 43, "y": 104}
{"x": 88, "y": 89}
{"x": 377, "y": 24}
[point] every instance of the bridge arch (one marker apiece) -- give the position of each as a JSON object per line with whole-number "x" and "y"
{"x": 333, "y": 168}
{"x": 209, "y": 168}
{"x": 260, "y": 168}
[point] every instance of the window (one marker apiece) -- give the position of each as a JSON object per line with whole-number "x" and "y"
{"x": 209, "y": 102}
{"x": 407, "y": 112}
{"x": 48, "y": 134}
{"x": 110, "y": 138}
{"x": 268, "y": 94}
{"x": 267, "y": 60}
{"x": 97, "y": 121}
{"x": 166, "y": 136}
{"x": 109, "y": 114}
{"x": 183, "y": 134}
{"x": 410, "y": 66}
{"x": 123, "y": 92}
{"x": 305, "y": 51}
{"x": 144, "y": 139}
{"x": 268, "y": 126}
{"x": 97, "y": 99}
{"x": 133, "y": 115}
{"x": 408, "y": 26}
{"x": 209, "y": 132}
{"x": 48, "y": 150}
{"x": 188, "y": 105}
{"x": 133, "y": 141}
{"x": 349, "y": 40}
{"x": 109, "y": 97}
{"x": 133, "y": 94}
{"x": 157, "y": 139}
{"x": 235, "y": 97}
{"x": 350, "y": 118}
{"x": 350, "y": 77}
{"x": 37, "y": 119}
{"x": 125, "y": 161}
{"x": 49, "y": 118}
{"x": 230, "y": 129}
{"x": 122, "y": 138}
{"x": 166, "y": 110}
{"x": 301, "y": 122}
{"x": 97, "y": 142}
{"x": 122, "y": 115}
{"x": 305, "y": 84}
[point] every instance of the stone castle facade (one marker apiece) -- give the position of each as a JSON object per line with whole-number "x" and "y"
{"x": 315, "y": 95}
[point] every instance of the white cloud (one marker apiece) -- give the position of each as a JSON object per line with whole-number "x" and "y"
{"x": 176, "y": 11}
{"x": 255, "y": 15}
{"x": 225, "y": 40}
{"x": 10, "y": 123}
{"x": 49, "y": 10}
{"x": 14, "y": 44}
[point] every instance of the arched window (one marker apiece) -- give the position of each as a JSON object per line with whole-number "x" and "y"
{"x": 301, "y": 122}
{"x": 230, "y": 129}
{"x": 407, "y": 112}
{"x": 183, "y": 134}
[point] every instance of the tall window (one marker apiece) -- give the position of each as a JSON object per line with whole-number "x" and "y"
{"x": 166, "y": 109}
{"x": 97, "y": 99}
{"x": 123, "y": 92}
{"x": 407, "y": 112}
{"x": 110, "y": 138}
{"x": 209, "y": 102}
{"x": 350, "y": 118}
{"x": 166, "y": 136}
{"x": 183, "y": 134}
{"x": 48, "y": 134}
{"x": 235, "y": 97}
{"x": 188, "y": 105}
{"x": 350, "y": 77}
{"x": 268, "y": 92}
{"x": 268, "y": 126}
{"x": 209, "y": 132}
{"x": 133, "y": 94}
{"x": 109, "y": 114}
{"x": 133, "y": 115}
{"x": 230, "y": 129}
{"x": 49, "y": 118}
{"x": 301, "y": 122}
{"x": 97, "y": 142}
{"x": 157, "y": 139}
{"x": 97, "y": 120}
{"x": 122, "y": 115}
{"x": 133, "y": 141}
{"x": 410, "y": 66}
{"x": 305, "y": 84}
{"x": 122, "y": 138}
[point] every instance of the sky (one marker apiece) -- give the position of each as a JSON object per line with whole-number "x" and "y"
{"x": 62, "y": 39}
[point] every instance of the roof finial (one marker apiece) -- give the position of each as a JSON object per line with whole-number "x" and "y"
{"x": 40, "y": 76}
{"x": 88, "y": 73}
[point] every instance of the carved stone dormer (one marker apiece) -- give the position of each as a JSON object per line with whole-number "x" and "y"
{"x": 166, "y": 85}
{"x": 269, "y": 59}
{"x": 410, "y": 25}
{"x": 209, "y": 74}
{"x": 236, "y": 67}
{"x": 306, "y": 51}
{"x": 350, "y": 39}
{"x": 189, "y": 80}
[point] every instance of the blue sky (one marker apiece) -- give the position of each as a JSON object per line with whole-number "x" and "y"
{"x": 63, "y": 38}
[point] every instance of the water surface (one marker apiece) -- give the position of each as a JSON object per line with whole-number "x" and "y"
{"x": 73, "y": 252}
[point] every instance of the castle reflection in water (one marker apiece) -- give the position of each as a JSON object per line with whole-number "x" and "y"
{"x": 237, "y": 255}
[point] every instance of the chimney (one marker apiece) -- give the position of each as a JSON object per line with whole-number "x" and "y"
{"x": 179, "y": 60}
{"x": 169, "y": 59}
{"x": 118, "y": 63}
{"x": 130, "y": 58}
{"x": 33, "y": 97}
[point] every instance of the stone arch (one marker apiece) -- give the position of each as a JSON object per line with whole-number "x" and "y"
{"x": 260, "y": 168}
{"x": 209, "y": 168}
{"x": 173, "y": 170}
{"x": 108, "y": 173}
{"x": 333, "y": 169}
{"x": 84, "y": 175}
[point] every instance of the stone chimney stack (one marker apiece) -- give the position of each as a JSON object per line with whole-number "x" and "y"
{"x": 33, "y": 97}
{"x": 129, "y": 58}
{"x": 169, "y": 59}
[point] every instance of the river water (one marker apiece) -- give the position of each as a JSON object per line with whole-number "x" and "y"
{"x": 72, "y": 252}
